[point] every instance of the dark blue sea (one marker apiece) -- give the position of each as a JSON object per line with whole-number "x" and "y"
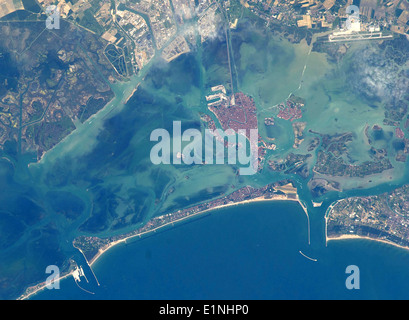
{"x": 243, "y": 252}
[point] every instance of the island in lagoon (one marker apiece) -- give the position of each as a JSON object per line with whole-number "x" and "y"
{"x": 336, "y": 133}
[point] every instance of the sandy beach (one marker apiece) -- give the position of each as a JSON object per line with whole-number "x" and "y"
{"x": 285, "y": 197}
{"x": 125, "y": 101}
{"x": 259, "y": 199}
{"x": 40, "y": 287}
{"x": 353, "y": 236}
{"x": 358, "y": 237}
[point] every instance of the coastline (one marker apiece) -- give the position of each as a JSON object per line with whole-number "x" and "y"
{"x": 107, "y": 108}
{"x": 69, "y": 136}
{"x": 358, "y": 237}
{"x": 258, "y": 199}
{"x": 126, "y": 100}
{"x": 354, "y": 236}
{"x": 41, "y": 286}
{"x": 264, "y": 194}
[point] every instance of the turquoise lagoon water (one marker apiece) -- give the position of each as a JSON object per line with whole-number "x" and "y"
{"x": 250, "y": 251}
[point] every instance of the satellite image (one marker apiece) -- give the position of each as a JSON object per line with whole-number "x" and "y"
{"x": 204, "y": 150}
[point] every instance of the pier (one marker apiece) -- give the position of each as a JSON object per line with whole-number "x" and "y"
{"x": 305, "y": 256}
